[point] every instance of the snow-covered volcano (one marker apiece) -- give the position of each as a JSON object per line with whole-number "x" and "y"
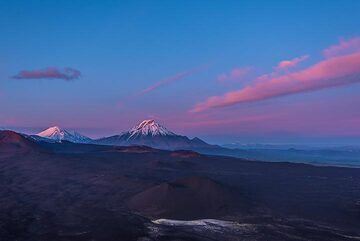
{"x": 149, "y": 127}
{"x": 150, "y": 133}
{"x": 55, "y": 133}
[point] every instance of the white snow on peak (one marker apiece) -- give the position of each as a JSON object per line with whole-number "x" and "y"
{"x": 52, "y": 132}
{"x": 58, "y": 134}
{"x": 149, "y": 127}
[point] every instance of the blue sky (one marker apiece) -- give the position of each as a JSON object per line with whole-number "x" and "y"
{"x": 123, "y": 47}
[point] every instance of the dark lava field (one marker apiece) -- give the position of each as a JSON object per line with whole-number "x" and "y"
{"x": 77, "y": 192}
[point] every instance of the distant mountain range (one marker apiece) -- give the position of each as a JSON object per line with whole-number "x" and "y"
{"x": 152, "y": 134}
{"x": 146, "y": 133}
{"x": 251, "y": 146}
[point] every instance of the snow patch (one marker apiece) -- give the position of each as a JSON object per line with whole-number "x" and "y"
{"x": 199, "y": 222}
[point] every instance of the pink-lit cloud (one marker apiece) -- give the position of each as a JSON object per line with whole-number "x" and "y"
{"x": 336, "y": 71}
{"x": 343, "y": 47}
{"x": 236, "y": 74}
{"x": 173, "y": 78}
{"x": 309, "y": 116}
{"x": 66, "y": 74}
{"x": 286, "y": 64}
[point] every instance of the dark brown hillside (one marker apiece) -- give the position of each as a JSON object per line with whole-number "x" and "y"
{"x": 188, "y": 198}
{"x": 13, "y": 142}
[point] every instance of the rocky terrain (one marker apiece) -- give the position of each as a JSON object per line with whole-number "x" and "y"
{"x": 66, "y": 191}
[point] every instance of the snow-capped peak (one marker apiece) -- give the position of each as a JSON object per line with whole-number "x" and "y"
{"x": 58, "y": 134}
{"x": 149, "y": 127}
{"x": 54, "y": 131}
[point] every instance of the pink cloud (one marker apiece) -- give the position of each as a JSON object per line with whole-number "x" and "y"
{"x": 173, "y": 78}
{"x": 306, "y": 116}
{"x": 66, "y": 74}
{"x": 336, "y": 71}
{"x": 343, "y": 47}
{"x": 286, "y": 64}
{"x": 235, "y": 75}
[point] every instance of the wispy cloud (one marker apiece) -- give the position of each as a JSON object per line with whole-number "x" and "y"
{"x": 343, "y": 47}
{"x": 66, "y": 74}
{"x": 286, "y": 64}
{"x": 173, "y": 78}
{"x": 236, "y": 74}
{"x": 332, "y": 72}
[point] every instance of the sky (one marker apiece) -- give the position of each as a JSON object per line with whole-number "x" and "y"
{"x": 225, "y": 71}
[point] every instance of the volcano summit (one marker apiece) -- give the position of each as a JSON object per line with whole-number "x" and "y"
{"x": 150, "y": 133}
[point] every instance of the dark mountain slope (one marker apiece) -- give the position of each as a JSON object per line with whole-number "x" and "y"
{"x": 12, "y": 142}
